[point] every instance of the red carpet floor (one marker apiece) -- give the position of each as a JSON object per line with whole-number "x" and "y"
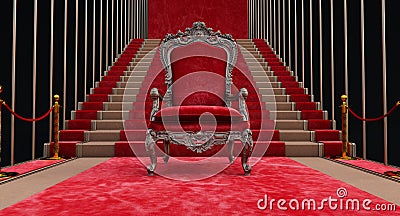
{"x": 371, "y": 165}
{"x": 29, "y": 166}
{"x": 120, "y": 186}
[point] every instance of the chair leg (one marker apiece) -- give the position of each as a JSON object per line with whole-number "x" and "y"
{"x": 150, "y": 144}
{"x": 245, "y": 157}
{"x": 231, "y": 142}
{"x": 166, "y": 149}
{"x": 247, "y": 142}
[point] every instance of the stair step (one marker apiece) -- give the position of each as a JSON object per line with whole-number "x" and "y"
{"x": 118, "y": 98}
{"x": 276, "y": 98}
{"x": 118, "y": 106}
{"x": 95, "y": 149}
{"x": 102, "y": 135}
{"x": 121, "y": 91}
{"x": 271, "y": 91}
{"x": 129, "y": 73}
{"x": 122, "y": 148}
{"x": 302, "y": 149}
{"x": 268, "y": 84}
{"x": 255, "y": 60}
{"x": 128, "y": 91}
{"x": 108, "y": 124}
{"x": 285, "y": 115}
{"x": 250, "y": 49}
{"x": 146, "y": 60}
{"x": 252, "y": 55}
{"x": 282, "y": 106}
{"x": 290, "y": 124}
{"x": 274, "y": 114}
{"x": 119, "y": 124}
{"x": 114, "y": 115}
{"x": 295, "y": 135}
{"x": 265, "y": 78}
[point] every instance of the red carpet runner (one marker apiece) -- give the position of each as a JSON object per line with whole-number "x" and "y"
{"x": 120, "y": 186}
{"x": 371, "y": 165}
{"x": 29, "y": 166}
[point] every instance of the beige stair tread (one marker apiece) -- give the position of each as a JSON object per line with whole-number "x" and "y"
{"x": 268, "y": 84}
{"x": 103, "y": 131}
{"x": 302, "y": 149}
{"x": 274, "y": 98}
{"x": 99, "y": 143}
{"x": 96, "y": 149}
{"x": 289, "y": 124}
{"x": 301, "y": 143}
{"x": 109, "y": 124}
{"x": 118, "y": 106}
{"x": 295, "y": 135}
{"x": 271, "y": 91}
{"x": 109, "y": 121}
{"x": 102, "y": 135}
{"x": 122, "y": 98}
{"x": 114, "y": 115}
{"x": 288, "y": 115}
{"x": 282, "y": 106}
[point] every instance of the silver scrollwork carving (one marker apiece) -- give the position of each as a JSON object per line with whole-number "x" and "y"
{"x": 200, "y": 141}
{"x": 155, "y": 96}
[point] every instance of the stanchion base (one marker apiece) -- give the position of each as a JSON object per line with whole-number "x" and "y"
{"x": 344, "y": 158}
{"x": 393, "y": 174}
{"x": 53, "y": 158}
{"x": 6, "y": 175}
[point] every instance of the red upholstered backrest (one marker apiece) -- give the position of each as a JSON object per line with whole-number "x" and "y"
{"x": 198, "y": 74}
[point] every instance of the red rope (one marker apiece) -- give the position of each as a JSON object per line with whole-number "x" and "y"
{"x": 373, "y": 119}
{"x": 28, "y": 119}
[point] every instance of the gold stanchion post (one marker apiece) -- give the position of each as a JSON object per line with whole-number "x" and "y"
{"x": 4, "y": 175}
{"x": 345, "y": 127}
{"x": 56, "y": 127}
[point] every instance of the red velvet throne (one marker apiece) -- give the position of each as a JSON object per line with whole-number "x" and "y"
{"x": 196, "y": 110}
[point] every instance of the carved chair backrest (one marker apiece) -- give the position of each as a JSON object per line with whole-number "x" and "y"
{"x": 198, "y": 65}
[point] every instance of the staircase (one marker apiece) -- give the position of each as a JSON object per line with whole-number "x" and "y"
{"x": 301, "y": 123}
{"x": 105, "y": 125}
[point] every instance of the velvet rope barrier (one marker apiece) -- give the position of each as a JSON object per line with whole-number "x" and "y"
{"x": 377, "y": 118}
{"x": 54, "y": 108}
{"x": 28, "y": 119}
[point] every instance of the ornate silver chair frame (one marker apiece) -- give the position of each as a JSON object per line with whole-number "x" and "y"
{"x": 199, "y": 141}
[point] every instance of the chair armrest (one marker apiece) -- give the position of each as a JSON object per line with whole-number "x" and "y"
{"x": 241, "y": 97}
{"x": 155, "y": 96}
{"x": 242, "y": 94}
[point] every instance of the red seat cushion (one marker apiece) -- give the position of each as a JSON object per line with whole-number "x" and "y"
{"x": 196, "y": 126}
{"x": 193, "y": 113}
{"x": 186, "y": 118}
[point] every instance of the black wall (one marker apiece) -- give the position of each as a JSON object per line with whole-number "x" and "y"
{"x": 373, "y": 59}
{"x": 24, "y": 67}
